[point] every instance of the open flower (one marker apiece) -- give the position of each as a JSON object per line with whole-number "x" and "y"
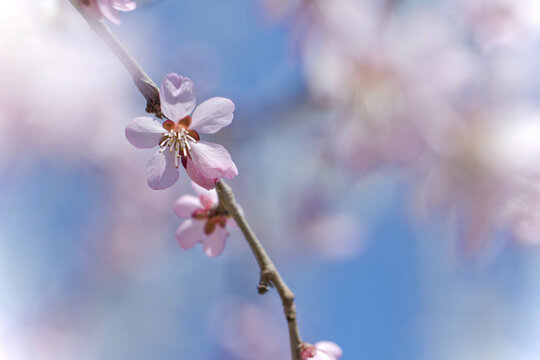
{"x": 178, "y": 137}
{"x": 107, "y": 8}
{"x": 206, "y": 223}
{"x": 323, "y": 350}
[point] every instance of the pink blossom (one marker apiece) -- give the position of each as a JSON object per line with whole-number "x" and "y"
{"x": 107, "y": 8}
{"x": 178, "y": 137}
{"x": 323, "y": 350}
{"x": 485, "y": 177}
{"x": 205, "y": 223}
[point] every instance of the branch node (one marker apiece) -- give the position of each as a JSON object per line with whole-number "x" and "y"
{"x": 290, "y": 312}
{"x": 151, "y": 94}
{"x": 263, "y": 286}
{"x": 266, "y": 281}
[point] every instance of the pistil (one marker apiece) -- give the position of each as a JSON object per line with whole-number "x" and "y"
{"x": 177, "y": 140}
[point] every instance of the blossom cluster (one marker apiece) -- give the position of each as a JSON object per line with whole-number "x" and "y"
{"x": 440, "y": 91}
{"x": 205, "y": 163}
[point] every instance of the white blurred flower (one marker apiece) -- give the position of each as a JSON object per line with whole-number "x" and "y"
{"x": 486, "y": 177}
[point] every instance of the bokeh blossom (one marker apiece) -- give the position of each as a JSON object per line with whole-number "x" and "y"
{"x": 323, "y": 350}
{"x": 426, "y": 90}
{"x": 178, "y": 137}
{"x": 248, "y": 329}
{"x": 107, "y": 8}
{"x": 206, "y": 224}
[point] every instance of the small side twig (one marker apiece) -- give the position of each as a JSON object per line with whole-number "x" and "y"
{"x": 269, "y": 273}
{"x": 141, "y": 79}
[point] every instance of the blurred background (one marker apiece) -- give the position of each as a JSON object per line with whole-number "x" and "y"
{"x": 388, "y": 154}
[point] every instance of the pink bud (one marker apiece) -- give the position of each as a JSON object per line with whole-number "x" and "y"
{"x": 308, "y": 351}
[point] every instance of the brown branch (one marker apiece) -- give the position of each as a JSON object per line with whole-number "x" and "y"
{"x": 141, "y": 79}
{"x": 269, "y": 274}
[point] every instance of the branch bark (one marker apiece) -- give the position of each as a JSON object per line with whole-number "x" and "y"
{"x": 269, "y": 275}
{"x": 141, "y": 79}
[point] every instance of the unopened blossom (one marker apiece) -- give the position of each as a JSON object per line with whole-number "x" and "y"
{"x": 323, "y": 350}
{"x": 107, "y": 8}
{"x": 206, "y": 223}
{"x": 178, "y": 137}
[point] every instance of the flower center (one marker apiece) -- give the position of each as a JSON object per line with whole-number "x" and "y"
{"x": 177, "y": 139}
{"x": 213, "y": 216}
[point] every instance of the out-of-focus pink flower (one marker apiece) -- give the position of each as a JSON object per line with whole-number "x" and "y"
{"x": 178, "y": 137}
{"x": 496, "y": 23}
{"x": 205, "y": 223}
{"x": 323, "y": 350}
{"x": 484, "y": 176}
{"x": 248, "y": 331}
{"x": 107, "y": 8}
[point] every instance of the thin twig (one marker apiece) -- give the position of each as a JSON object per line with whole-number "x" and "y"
{"x": 143, "y": 82}
{"x": 269, "y": 275}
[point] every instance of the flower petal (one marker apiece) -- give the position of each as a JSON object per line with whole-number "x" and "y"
{"x": 161, "y": 171}
{"x": 189, "y": 233}
{"x": 214, "y": 243}
{"x": 212, "y": 115}
{"x": 197, "y": 177}
{"x": 92, "y": 9}
{"x": 124, "y": 5}
{"x": 212, "y": 194}
{"x": 212, "y": 162}
{"x": 321, "y": 355}
{"x": 232, "y": 223}
{"x": 106, "y": 8}
{"x": 330, "y": 348}
{"x": 177, "y": 96}
{"x": 144, "y": 132}
{"x": 186, "y": 205}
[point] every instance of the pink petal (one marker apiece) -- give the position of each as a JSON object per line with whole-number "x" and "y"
{"x": 206, "y": 201}
{"x": 232, "y": 223}
{"x": 212, "y": 162}
{"x": 330, "y": 348}
{"x": 320, "y": 355}
{"x": 212, "y": 194}
{"x": 92, "y": 9}
{"x": 189, "y": 233}
{"x": 177, "y": 96}
{"x": 212, "y": 115}
{"x": 186, "y": 205}
{"x": 124, "y": 5}
{"x": 144, "y": 132}
{"x": 214, "y": 243}
{"x": 197, "y": 177}
{"x": 106, "y": 8}
{"x": 161, "y": 171}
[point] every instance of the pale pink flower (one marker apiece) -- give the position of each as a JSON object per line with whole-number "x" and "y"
{"x": 323, "y": 350}
{"x": 484, "y": 176}
{"x": 107, "y": 8}
{"x": 178, "y": 137}
{"x": 206, "y": 224}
